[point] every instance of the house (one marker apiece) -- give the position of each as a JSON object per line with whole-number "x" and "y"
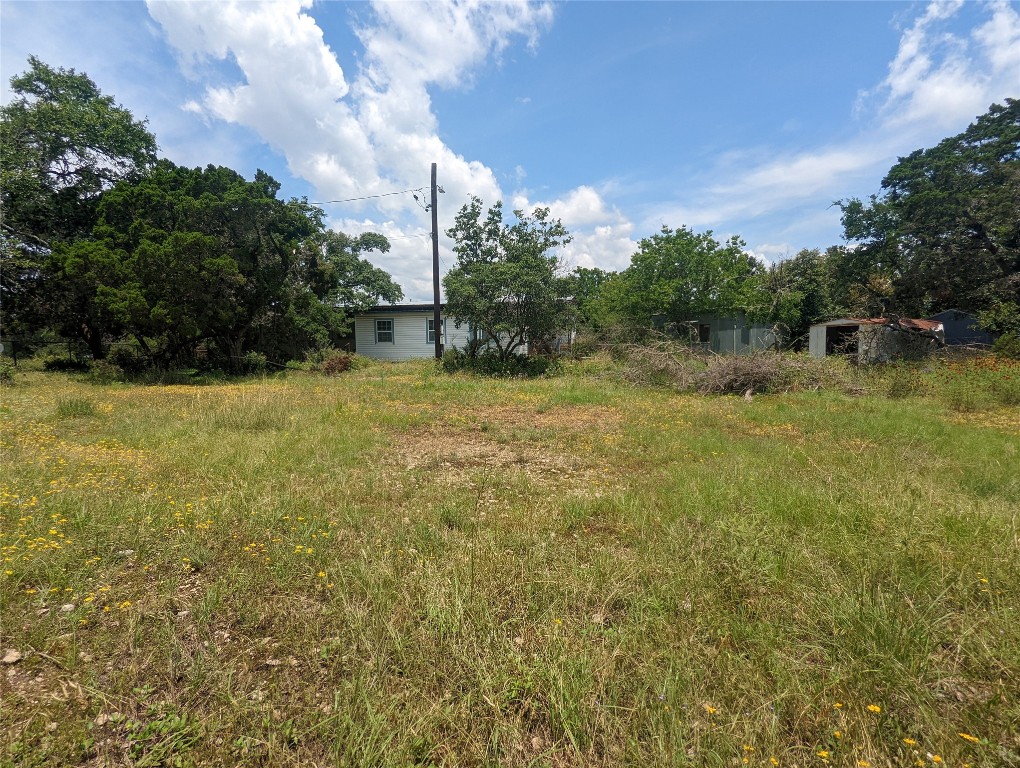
{"x": 961, "y": 328}
{"x": 404, "y": 332}
{"x": 729, "y": 334}
{"x": 875, "y": 339}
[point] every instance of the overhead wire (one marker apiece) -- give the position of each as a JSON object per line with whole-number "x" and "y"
{"x": 369, "y": 197}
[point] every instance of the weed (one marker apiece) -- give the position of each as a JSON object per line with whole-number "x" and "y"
{"x": 402, "y": 567}
{"x": 75, "y": 407}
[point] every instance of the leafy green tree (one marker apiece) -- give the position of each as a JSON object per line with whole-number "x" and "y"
{"x": 506, "y": 283}
{"x": 801, "y": 291}
{"x": 678, "y": 274}
{"x": 584, "y": 285}
{"x": 62, "y": 143}
{"x": 207, "y": 256}
{"x": 945, "y": 230}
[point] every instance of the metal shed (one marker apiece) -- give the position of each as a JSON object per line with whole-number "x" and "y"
{"x": 875, "y": 339}
{"x": 961, "y": 328}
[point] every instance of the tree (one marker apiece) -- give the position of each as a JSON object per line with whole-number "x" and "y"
{"x": 584, "y": 285}
{"x": 506, "y": 283}
{"x": 945, "y": 231}
{"x": 203, "y": 255}
{"x": 62, "y": 143}
{"x": 679, "y": 274}
{"x": 804, "y": 290}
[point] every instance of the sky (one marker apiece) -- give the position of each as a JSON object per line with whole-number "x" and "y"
{"x": 743, "y": 118}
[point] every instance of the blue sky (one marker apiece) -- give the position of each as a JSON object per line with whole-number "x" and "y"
{"x": 743, "y": 118}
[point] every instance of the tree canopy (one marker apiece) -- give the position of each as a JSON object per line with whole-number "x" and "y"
{"x": 507, "y": 284}
{"x": 945, "y": 230}
{"x": 677, "y": 274}
{"x": 101, "y": 241}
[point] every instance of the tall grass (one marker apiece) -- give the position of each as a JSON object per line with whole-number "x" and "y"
{"x": 396, "y": 567}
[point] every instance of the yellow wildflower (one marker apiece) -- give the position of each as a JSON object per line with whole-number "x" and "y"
{"x": 970, "y": 738}
{"x": 823, "y": 753}
{"x": 710, "y": 709}
{"x": 874, "y": 708}
{"x": 909, "y": 742}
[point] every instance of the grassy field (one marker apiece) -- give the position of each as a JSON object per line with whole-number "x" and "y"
{"x": 398, "y": 567}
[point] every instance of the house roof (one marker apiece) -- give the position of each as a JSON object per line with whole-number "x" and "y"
{"x": 390, "y": 309}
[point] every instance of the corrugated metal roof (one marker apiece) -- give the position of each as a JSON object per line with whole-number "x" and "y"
{"x": 908, "y": 323}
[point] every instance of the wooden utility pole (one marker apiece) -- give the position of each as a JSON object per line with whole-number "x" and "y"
{"x": 437, "y": 322}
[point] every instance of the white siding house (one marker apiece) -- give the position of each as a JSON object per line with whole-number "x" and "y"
{"x": 404, "y": 332}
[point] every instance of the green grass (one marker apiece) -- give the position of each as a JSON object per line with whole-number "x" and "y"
{"x": 396, "y": 567}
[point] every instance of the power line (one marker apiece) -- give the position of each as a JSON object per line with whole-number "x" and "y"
{"x": 405, "y": 237}
{"x": 369, "y": 197}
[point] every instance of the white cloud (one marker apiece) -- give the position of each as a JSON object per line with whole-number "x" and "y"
{"x": 366, "y": 135}
{"x": 937, "y": 83}
{"x": 602, "y": 235}
{"x": 939, "y": 79}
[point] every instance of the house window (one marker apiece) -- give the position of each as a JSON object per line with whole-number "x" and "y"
{"x": 383, "y": 331}
{"x": 430, "y": 330}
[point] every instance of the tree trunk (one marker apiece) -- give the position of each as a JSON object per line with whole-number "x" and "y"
{"x": 94, "y": 340}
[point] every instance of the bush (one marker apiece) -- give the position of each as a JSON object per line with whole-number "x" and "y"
{"x": 7, "y": 370}
{"x": 1008, "y": 346}
{"x": 104, "y": 372}
{"x": 128, "y": 361}
{"x": 65, "y": 365}
{"x": 489, "y": 363}
{"x": 253, "y": 362}
{"x": 336, "y": 364}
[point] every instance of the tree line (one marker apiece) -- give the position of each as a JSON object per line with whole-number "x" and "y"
{"x": 102, "y": 241}
{"x": 943, "y": 233}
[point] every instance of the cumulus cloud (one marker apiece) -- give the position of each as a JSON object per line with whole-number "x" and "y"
{"x": 353, "y": 133}
{"x": 602, "y": 235}
{"x": 938, "y": 82}
{"x": 940, "y": 79}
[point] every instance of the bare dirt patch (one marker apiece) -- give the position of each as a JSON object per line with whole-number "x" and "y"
{"x": 491, "y": 439}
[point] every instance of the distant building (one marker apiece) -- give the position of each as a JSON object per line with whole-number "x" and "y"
{"x": 961, "y": 328}
{"x": 875, "y": 339}
{"x": 724, "y": 334}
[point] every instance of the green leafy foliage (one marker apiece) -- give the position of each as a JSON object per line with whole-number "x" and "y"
{"x": 62, "y": 143}
{"x": 101, "y": 242}
{"x": 678, "y": 274}
{"x": 506, "y": 284}
{"x": 945, "y": 231}
{"x": 491, "y": 363}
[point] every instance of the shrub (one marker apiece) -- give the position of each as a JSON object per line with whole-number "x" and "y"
{"x": 253, "y": 362}
{"x": 489, "y": 363}
{"x": 128, "y": 361}
{"x": 1008, "y": 346}
{"x": 104, "y": 372}
{"x": 6, "y": 372}
{"x": 335, "y": 364}
{"x": 736, "y": 374}
{"x": 65, "y": 365}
